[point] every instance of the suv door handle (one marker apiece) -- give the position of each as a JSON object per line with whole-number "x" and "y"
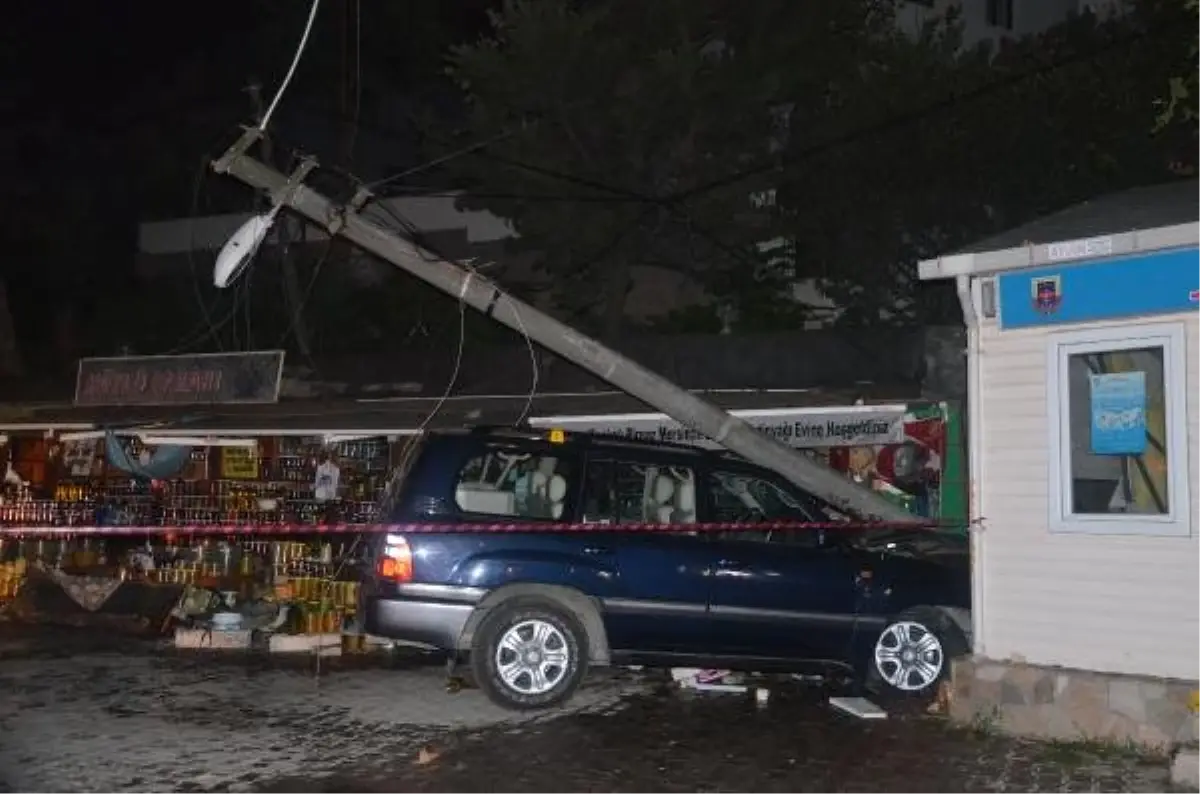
{"x": 596, "y": 550}
{"x": 732, "y": 568}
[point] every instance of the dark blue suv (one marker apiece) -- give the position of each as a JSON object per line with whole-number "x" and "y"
{"x": 533, "y": 609}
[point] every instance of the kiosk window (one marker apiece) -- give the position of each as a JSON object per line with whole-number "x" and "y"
{"x": 1117, "y": 411}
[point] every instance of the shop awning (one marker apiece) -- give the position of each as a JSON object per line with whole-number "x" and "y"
{"x": 408, "y": 415}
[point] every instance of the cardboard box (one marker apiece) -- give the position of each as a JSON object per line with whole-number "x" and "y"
{"x": 196, "y": 639}
{"x": 325, "y": 644}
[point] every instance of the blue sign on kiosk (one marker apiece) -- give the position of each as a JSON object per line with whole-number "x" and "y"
{"x": 1118, "y": 413}
{"x": 1127, "y": 286}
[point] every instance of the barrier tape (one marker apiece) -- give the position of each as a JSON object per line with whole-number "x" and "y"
{"x": 429, "y": 527}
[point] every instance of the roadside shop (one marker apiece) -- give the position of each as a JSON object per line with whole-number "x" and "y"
{"x": 202, "y": 449}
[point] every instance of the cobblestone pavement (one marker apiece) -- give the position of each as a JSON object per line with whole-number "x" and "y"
{"x": 701, "y": 742}
{"x": 88, "y": 713}
{"x": 120, "y": 717}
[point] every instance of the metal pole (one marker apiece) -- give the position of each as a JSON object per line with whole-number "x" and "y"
{"x": 628, "y": 376}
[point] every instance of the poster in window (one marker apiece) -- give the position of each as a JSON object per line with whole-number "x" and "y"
{"x": 239, "y": 463}
{"x": 1118, "y": 413}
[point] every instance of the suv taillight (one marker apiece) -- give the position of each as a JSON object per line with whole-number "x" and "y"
{"x": 396, "y": 564}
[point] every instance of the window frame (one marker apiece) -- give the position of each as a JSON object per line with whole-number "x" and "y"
{"x": 1061, "y": 345}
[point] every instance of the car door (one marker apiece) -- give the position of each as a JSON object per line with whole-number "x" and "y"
{"x": 783, "y": 593}
{"x": 661, "y": 604}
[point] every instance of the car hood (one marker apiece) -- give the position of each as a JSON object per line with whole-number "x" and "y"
{"x": 943, "y": 548}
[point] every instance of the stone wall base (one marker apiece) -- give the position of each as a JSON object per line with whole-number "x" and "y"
{"x": 1061, "y": 703}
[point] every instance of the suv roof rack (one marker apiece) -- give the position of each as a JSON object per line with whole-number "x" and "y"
{"x": 588, "y": 437}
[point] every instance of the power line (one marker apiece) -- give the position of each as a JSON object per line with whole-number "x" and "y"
{"x": 672, "y": 202}
{"x": 287, "y": 79}
{"x": 415, "y": 234}
{"x": 312, "y": 281}
{"x": 201, "y": 331}
{"x": 197, "y": 187}
{"x": 454, "y": 155}
{"x": 899, "y": 120}
{"x": 352, "y": 136}
{"x": 562, "y": 198}
{"x": 675, "y": 203}
{"x": 904, "y": 119}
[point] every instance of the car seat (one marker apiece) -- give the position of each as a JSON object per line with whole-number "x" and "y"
{"x": 547, "y": 490}
{"x": 663, "y": 506}
{"x": 685, "y": 502}
{"x": 556, "y": 490}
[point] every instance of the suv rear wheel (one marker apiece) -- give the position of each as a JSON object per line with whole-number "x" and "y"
{"x": 529, "y": 653}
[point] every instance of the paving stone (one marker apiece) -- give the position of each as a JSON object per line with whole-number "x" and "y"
{"x": 1185, "y": 769}
{"x": 105, "y": 716}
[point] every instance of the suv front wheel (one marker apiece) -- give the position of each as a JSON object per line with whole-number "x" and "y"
{"x": 529, "y": 653}
{"x": 911, "y": 657}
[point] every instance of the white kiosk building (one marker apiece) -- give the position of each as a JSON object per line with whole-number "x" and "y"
{"x": 1082, "y": 437}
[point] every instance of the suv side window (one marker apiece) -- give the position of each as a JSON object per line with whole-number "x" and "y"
{"x": 623, "y": 492}
{"x": 736, "y": 496}
{"x": 514, "y": 483}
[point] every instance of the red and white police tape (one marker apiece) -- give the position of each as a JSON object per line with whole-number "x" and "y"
{"x": 430, "y": 527}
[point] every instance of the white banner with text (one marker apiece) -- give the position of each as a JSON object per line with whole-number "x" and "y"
{"x": 852, "y": 426}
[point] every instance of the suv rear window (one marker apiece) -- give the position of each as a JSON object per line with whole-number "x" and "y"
{"x": 504, "y": 481}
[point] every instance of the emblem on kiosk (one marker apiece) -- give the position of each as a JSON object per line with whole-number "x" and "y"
{"x": 1047, "y": 293}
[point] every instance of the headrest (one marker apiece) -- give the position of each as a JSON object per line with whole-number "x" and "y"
{"x": 685, "y": 496}
{"x": 664, "y": 489}
{"x": 557, "y": 488}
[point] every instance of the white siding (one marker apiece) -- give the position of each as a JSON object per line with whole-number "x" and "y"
{"x": 1109, "y": 603}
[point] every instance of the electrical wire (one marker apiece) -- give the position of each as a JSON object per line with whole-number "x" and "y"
{"x": 898, "y": 120}
{"x": 533, "y": 362}
{"x": 675, "y": 202}
{"x": 308, "y": 26}
{"x": 505, "y": 134}
{"x": 200, "y": 332}
{"x": 442, "y": 160}
{"x": 458, "y": 359}
{"x": 357, "y": 83}
{"x": 904, "y": 119}
{"x": 299, "y": 309}
{"x": 247, "y": 306}
{"x": 415, "y": 235}
{"x": 295, "y": 303}
{"x": 197, "y": 187}
{"x": 560, "y": 198}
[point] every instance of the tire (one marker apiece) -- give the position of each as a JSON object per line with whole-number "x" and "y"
{"x": 933, "y": 641}
{"x": 529, "y": 653}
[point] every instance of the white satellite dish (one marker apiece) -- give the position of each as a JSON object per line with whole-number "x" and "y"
{"x": 241, "y": 247}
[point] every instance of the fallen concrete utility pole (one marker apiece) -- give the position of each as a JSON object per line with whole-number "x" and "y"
{"x": 486, "y": 297}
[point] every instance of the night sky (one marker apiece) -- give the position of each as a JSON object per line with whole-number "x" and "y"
{"x": 113, "y": 105}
